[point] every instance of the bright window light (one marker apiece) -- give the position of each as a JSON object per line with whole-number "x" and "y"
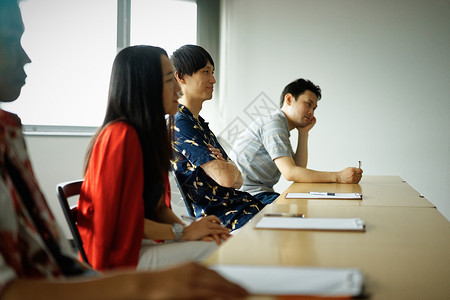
{"x": 72, "y": 45}
{"x": 169, "y": 24}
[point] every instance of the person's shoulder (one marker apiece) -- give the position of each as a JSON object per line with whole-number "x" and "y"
{"x": 277, "y": 114}
{"x": 119, "y": 129}
{"x": 268, "y": 119}
{"x": 9, "y": 119}
{"x": 182, "y": 112}
{"x": 276, "y": 117}
{"x": 119, "y": 126}
{"x": 183, "y": 121}
{"x": 180, "y": 117}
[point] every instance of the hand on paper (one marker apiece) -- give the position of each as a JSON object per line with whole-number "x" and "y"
{"x": 349, "y": 175}
{"x": 206, "y": 229}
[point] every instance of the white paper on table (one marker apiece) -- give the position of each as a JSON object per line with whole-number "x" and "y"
{"x": 311, "y": 223}
{"x": 324, "y": 195}
{"x": 287, "y": 280}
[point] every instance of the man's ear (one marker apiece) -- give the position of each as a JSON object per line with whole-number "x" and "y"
{"x": 179, "y": 78}
{"x": 288, "y": 99}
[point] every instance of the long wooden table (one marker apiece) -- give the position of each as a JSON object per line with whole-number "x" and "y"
{"x": 376, "y": 190}
{"x": 404, "y": 253}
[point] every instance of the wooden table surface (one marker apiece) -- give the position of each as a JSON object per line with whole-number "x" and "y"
{"x": 404, "y": 253}
{"x": 376, "y": 190}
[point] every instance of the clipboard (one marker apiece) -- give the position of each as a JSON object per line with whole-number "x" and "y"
{"x": 295, "y": 281}
{"x": 325, "y": 195}
{"x": 322, "y": 224}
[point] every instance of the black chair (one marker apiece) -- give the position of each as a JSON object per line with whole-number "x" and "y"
{"x": 64, "y": 191}
{"x": 184, "y": 196}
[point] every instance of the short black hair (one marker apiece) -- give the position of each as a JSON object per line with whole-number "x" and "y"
{"x": 298, "y": 87}
{"x": 188, "y": 59}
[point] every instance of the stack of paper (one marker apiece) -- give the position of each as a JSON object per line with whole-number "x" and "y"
{"x": 311, "y": 223}
{"x": 280, "y": 280}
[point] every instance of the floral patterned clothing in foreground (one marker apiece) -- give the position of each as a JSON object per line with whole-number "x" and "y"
{"x": 31, "y": 245}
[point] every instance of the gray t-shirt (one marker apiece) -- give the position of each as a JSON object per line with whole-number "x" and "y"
{"x": 254, "y": 151}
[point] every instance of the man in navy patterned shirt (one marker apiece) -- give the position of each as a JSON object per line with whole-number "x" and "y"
{"x": 206, "y": 174}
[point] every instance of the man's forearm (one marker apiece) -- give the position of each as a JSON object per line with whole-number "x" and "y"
{"x": 238, "y": 178}
{"x": 224, "y": 173}
{"x": 235, "y": 174}
{"x": 291, "y": 172}
{"x": 301, "y": 155}
{"x": 299, "y": 174}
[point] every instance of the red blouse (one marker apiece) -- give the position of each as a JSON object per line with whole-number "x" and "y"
{"x": 111, "y": 205}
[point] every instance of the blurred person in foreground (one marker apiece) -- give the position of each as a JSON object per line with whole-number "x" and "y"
{"x": 35, "y": 259}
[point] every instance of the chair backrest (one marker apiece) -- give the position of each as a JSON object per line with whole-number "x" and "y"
{"x": 64, "y": 191}
{"x": 187, "y": 201}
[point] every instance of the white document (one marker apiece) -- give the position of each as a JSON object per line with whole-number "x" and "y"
{"x": 311, "y": 223}
{"x": 324, "y": 195}
{"x": 284, "y": 280}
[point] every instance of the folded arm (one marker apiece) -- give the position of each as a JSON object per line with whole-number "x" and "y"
{"x": 224, "y": 172}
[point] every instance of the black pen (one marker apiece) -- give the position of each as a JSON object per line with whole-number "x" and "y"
{"x": 287, "y": 215}
{"x": 189, "y": 218}
{"x": 322, "y": 193}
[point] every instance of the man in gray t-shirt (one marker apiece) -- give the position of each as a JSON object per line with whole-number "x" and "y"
{"x": 263, "y": 151}
{"x": 255, "y": 150}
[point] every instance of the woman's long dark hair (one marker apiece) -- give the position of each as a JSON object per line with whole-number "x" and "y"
{"x": 135, "y": 96}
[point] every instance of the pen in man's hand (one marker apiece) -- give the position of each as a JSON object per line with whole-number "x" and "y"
{"x": 359, "y": 164}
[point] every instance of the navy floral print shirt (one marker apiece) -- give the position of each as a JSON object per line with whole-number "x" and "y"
{"x": 192, "y": 137}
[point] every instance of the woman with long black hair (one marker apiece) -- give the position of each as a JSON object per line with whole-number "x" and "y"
{"x": 123, "y": 216}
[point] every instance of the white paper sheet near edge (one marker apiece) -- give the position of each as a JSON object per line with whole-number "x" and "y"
{"x": 287, "y": 280}
{"x": 311, "y": 223}
{"x": 344, "y": 196}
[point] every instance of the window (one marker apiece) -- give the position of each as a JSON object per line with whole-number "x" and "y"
{"x": 167, "y": 24}
{"x": 72, "y": 45}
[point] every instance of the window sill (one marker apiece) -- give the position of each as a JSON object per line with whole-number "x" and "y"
{"x": 49, "y": 130}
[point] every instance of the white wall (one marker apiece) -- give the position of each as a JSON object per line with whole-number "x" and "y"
{"x": 57, "y": 159}
{"x": 383, "y": 67}
{"x": 384, "y": 71}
